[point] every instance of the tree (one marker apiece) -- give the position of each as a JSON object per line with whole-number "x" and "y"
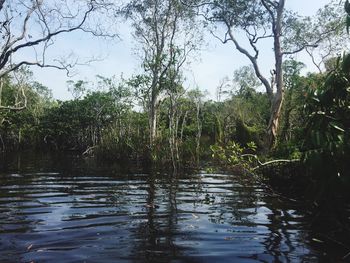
{"x": 196, "y": 97}
{"x": 175, "y": 112}
{"x": 292, "y": 108}
{"x": 245, "y": 81}
{"x": 30, "y": 27}
{"x": 77, "y": 88}
{"x": 166, "y": 34}
{"x": 329, "y": 24}
{"x": 259, "y": 21}
{"x": 29, "y": 100}
{"x": 19, "y": 81}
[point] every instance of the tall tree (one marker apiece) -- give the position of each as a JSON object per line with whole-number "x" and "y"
{"x": 166, "y": 34}
{"x": 259, "y": 21}
{"x": 329, "y": 24}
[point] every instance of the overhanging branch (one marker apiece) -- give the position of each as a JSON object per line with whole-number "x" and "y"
{"x": 253, "y": 60}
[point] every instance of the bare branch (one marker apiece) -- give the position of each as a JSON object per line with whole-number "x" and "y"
{"x": 60, "y": 18}
{"x": 5, "y": 57}
{"x": 266, "y": 4}
{"x": 1, "y": 4}
{"x": 35, "y": 6}
{"x": 299, "y": 49}
{"x": 224, "y": 40}
{"x": 253, "y": 60}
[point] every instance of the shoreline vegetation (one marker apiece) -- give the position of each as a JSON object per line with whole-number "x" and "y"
{"x": 294, "y": 135}
{"x": 103, "y": 124}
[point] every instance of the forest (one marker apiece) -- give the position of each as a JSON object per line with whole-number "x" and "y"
{"x": 151, "y": 116}
{"x": 288, "y": 125}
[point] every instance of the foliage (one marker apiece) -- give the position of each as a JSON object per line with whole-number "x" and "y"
{"x": 234, "y": 155}
{"x": 327, "y": 144}
{"x": 20, "y": 128}
{"x": 152, "y": 114}
{"x": 245, "y": 134}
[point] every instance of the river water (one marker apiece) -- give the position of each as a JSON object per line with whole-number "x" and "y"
{"x": 65, "y": 210}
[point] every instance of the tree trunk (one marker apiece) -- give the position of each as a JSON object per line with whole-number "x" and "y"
{"x": 177, "y": 152}
{"x": 183, "y": 126}
{"x": 153, "y": 126}
{"x": 199, "y": 133}
{"x": 1, "y": 86}
{"x": 153, "y": 119}
{"x": 277, "y": 101}
{"x": 172, "y": 139}
{"x": 273, "y": 126}
{"x": 285, "y": 133}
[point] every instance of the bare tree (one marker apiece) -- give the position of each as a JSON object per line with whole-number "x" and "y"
{"x": 28, "y": 28}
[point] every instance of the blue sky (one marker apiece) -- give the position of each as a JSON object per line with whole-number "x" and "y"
{"x": 209, "y": 67}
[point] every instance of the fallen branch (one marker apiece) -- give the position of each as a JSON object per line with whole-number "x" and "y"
{"x": 275, "y": 161}
{"x": 89, "y": 150}
{"x": 346, "y": 256}
{"x": 261, "y": 164}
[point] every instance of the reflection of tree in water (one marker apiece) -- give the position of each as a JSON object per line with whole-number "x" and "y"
{"x": 278, "y": 243}
{"x": 242, "y": 208}
{"x": 283, "y": 238}
{"x": 13, "y": 198}
{"x": 237, "y": 207}
{"x": 155, "y": 237}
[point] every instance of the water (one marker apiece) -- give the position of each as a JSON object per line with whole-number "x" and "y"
{"x": 54, "y": 210}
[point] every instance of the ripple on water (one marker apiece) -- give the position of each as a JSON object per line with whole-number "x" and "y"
{"x": 138, "y": 217}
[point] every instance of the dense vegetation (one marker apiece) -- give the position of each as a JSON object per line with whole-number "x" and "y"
{"x": 109, "y": 119}
{"x": 300, "y": 119}
{"x": 287, "y": 127}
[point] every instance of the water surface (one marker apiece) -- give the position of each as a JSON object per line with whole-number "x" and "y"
{"x": 54, "y": 210}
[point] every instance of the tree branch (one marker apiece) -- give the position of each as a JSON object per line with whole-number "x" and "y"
{"x": 253, "y": 60}
{"x": 5, "y": 56}
{"x": 299, "y": 49}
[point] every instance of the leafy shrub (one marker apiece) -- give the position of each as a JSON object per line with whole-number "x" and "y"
{"x": 234, "y": 155}
{"x": 326, "y": 144}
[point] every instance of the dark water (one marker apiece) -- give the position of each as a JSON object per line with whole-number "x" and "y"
{"x": 63, "y": 210}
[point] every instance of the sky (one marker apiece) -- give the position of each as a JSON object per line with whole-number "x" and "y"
{"x": 118, "y": 57}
